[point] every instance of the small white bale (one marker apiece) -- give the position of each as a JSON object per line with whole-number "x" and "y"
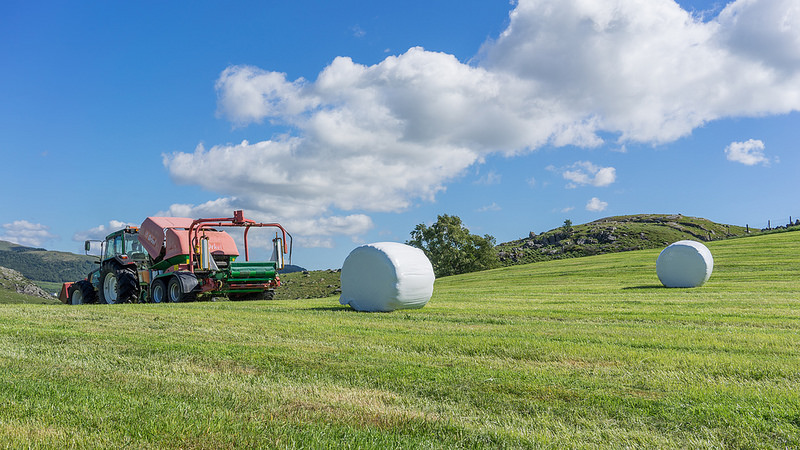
{"x": 684, "y": 264}
{"x": 386, "y": 276}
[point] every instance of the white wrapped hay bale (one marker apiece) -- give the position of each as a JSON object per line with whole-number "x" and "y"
{"x": 684, "y": 264}
{"x": 386, "y": 276}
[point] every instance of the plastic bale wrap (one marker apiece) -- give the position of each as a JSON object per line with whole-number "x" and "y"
{"x": 684, "y": 264}
{"x": 386, "y": 276}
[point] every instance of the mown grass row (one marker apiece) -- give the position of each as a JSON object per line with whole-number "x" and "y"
{"x": 571, "y": 353}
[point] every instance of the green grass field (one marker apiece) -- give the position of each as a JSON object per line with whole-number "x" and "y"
{"x": 586, "y": 352}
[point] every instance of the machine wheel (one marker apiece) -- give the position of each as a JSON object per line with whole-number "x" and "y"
{"x": 159, "y": 291}
{"x": 118, "y": 285}
{"x": 82, "y": 292}
{"x": 175, "y": 291}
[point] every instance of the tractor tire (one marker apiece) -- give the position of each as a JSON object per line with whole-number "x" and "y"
{"x": 175, "y": 292}
{"x": 118, "y": 285}
{"x": 128, "y": 285}
{"x": 82, "y": 292}
{"x": 159, "y": 291}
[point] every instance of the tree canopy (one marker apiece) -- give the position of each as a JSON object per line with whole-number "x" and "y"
{"x": 452, "y": 249}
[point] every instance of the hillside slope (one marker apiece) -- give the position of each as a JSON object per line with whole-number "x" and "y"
{"x": 614, "y": 234}
{"x": 15, "y": 288}
{"x": 43, "y": 265}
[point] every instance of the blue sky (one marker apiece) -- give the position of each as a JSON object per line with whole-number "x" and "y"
{"x": 351, "y": 122}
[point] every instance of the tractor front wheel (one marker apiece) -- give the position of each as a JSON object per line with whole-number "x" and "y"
{"x": 108, "y": 286}
{"x": 76, "y": 298}
{"x": 82, "y": 292}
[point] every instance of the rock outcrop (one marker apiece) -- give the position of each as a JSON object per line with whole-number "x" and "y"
{"x": 14, "y": 281}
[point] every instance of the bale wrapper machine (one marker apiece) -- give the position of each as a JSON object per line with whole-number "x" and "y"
{"x": 177, "y": 259}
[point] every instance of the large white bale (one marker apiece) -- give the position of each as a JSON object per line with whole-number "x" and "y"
{"x": 684, "y": 264}
{"x": 386, "y": 276}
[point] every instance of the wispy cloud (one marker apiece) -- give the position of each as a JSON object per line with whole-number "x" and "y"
{"x": 490, "y": 178}
{"x": 493, "y": 207}
{"x": 26, "y": 233}
{"x": 358, "y": 31}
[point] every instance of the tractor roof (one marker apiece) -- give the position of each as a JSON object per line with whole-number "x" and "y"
{"x": 129, "y": 229}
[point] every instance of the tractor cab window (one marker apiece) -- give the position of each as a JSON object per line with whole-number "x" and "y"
{"x": 132, "y": 244}
{"x": 113, "y": 247}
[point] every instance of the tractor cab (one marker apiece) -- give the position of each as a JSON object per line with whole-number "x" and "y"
{"x": 122, "y": 259}
{"x": 124, "y": 246}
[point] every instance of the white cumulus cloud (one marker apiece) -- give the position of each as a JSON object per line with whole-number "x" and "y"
{"x": 596, "y": 205}
{"x": 377, "y": 138}
{"x": 101, "y": 231}
{"x": 585, "y": 173}
{"x": 749, "y": 153}
{"x": 26, "y": 233}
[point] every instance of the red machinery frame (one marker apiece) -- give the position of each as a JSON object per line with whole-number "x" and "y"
{"x": 237, "y": 220}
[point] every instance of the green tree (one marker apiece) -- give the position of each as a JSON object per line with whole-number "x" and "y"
{"x": 452, "y": 249}
{"x": 567, "y": 227}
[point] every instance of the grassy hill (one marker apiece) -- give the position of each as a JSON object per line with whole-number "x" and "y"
{"x": 579, "y": 352}
{"x": 614, "y": 234}
{"x": 43, "y": 265}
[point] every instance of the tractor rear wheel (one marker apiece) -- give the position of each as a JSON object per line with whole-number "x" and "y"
{"x": 82, "y": 292}
{"x": 159, "y": 291}
{"x": 127, "y": 285}
{"x": 118, "y": 285}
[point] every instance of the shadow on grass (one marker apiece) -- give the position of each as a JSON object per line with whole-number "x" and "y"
{"x": 645, "y": 286}
{"x": 332, "y": 308}
{"x": 345, "y": 308}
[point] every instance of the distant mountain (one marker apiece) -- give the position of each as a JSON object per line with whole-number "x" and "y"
{"x": 43, "y": 265}
{"x": 614, "y": 234}
{"x": 290, "y": 268}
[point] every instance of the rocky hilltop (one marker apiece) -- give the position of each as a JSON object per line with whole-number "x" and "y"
{"x": 12, "y": 280}
{"x": 614, "y": 234}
